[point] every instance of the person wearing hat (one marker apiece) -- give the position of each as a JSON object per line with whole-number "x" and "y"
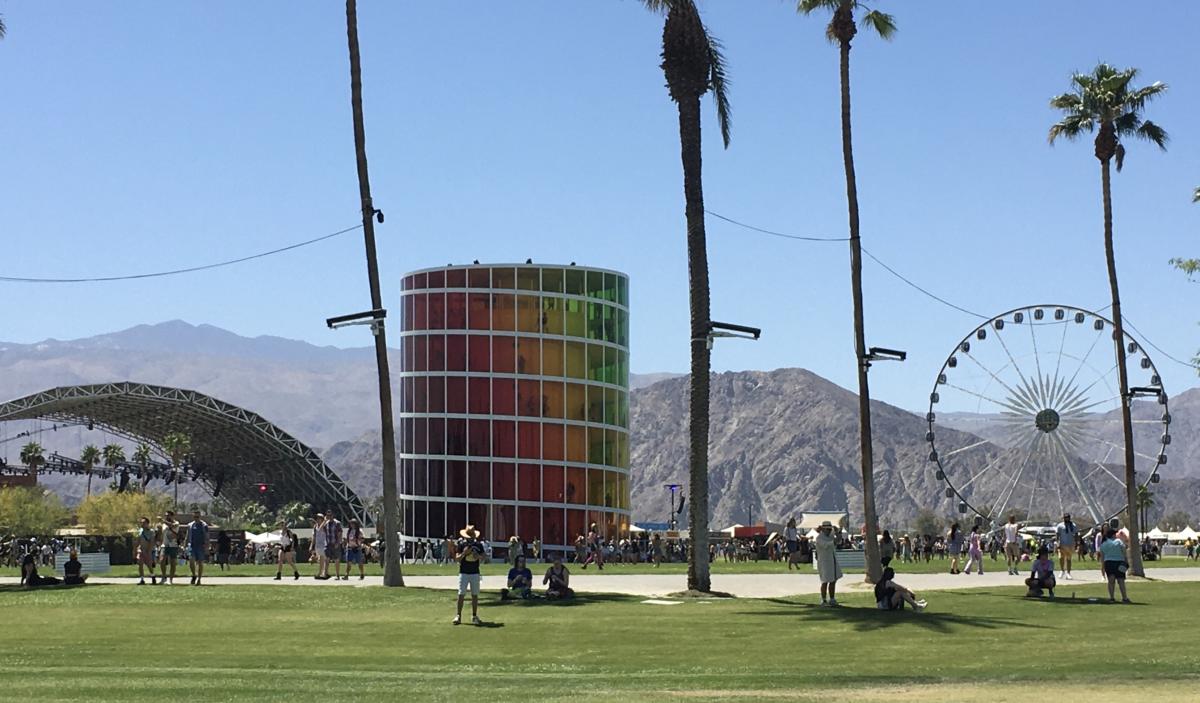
{"x": 828, "y": 568}
{"x": 470, "y": 555}
{"x": 1041, "y": 577}
{"x": 1066, "y": 532}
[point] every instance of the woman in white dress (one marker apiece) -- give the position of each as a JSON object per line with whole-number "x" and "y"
{"x": 827, "y": 565}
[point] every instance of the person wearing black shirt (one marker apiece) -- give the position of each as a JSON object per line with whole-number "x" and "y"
{"x": 29, "y": 574}
{"x": 558, "y": 579}
{"x": 470, "y": 555}
{"x": 890, "y": 595}
{"x": 73, "y": 571}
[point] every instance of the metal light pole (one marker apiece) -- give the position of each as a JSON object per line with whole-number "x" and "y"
{"x": 391, "y": 568}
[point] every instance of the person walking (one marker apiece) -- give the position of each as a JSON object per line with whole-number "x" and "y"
{"x": 354, "y": 549}
{"x": 170, "y": 547}
{"x": 887, "y": 548}
{"x": 974, "y": 550}
{"x": 287, "y": 552}
{"x": 1066, "y": 532}
{"x": 1012, "y": 545}
{"x": 791, "y": 539}
{"x": 197, "y": 546}
{"x": 954, "y": 544}
{"x": 595, "y": 553}
{"x": 145, "y": 539}
{"x": 318, "y": 547}
{"x": 1113, "y": 552}
{"x": 224, "y": 549}
{"x": 827, "y": 564}
{"x": 535, "y": 549}
{"x": 470, "y": 555}
{"x": 334, "y": 545}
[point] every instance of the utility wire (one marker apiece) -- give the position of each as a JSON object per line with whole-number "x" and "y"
{"x": 1190, "y": 365}
{"x": 874, "y": 258}
{"x": 175, "y": 272}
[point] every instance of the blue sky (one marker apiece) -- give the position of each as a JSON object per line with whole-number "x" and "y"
{"x": 147, "y": 136}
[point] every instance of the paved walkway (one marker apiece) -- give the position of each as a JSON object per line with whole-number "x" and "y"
{"x": 740, "y": 585}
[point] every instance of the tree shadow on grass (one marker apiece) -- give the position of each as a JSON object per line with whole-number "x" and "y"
{"x": 494, "y": 600}
{"x": 18, "y": 588}
{"x": 1067, "y": 600}
{"x": 865, "y": 619}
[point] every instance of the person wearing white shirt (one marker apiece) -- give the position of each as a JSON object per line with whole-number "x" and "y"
{"x": 1012, "y": 545}
{"x": 1066, "y": 532}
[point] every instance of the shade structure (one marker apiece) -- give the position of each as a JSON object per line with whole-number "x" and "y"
{"x": 514, "y": 402}
{"x": 233, "y": 450}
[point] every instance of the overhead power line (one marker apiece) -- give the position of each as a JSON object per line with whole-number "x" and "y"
{"x": 175, "y": 272}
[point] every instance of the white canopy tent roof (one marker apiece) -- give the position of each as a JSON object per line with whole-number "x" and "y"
{"x": 1156, "y": 534}
{"x": 1187, "y": 533}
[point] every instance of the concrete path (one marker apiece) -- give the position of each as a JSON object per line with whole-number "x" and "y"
{"x": 740, "y": 585}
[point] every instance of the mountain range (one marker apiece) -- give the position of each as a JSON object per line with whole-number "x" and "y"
{"x": 782, "y": 441}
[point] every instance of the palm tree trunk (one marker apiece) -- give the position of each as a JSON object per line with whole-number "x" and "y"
{"x": 870, "y": 545}
{"x": 89, "y": 486}
{"x": 391, "y": 523}
{"x": 698, "y": 298}
{"x": 1135, "y": 550}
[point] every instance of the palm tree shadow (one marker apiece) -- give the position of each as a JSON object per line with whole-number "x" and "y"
{"x": 867, "y": 619}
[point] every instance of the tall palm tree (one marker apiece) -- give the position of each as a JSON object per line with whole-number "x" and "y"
{"x": 90, "y": 456}
{"x": 33, "y": 455}
{"x": 841, "y": 29}
{"x": 392, "y": 575}
{"x": 1104, "y": 101}
{"x": 141, "y": 457}
{"x": 114, "y": 455}
{"x": 3, "y": 29}
{"x": 694, "y": 65}
{"x": 1145, "y": 501}
{"x": 178, "y": 445}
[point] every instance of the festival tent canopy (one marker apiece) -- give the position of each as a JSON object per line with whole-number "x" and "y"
{"x": 1156, "y": 534}
{"x": 264, "y": 538}
{"x": 1187, "y": 533}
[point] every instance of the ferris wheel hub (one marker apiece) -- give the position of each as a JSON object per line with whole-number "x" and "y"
{"x": 1047, "y": 420}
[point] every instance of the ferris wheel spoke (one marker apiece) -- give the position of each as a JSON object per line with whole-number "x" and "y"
{"x": 967, "y": 448}
{"x": 1101, "y": 377}
{"x": 1062, "y": 344}
{"x": 1037, "y": 362}
{"x": 1016, "y": 367}
{"x": 1001, "y": 403}
{"x": 1086, "y": 356}
{"x": 995, "y": 462}
{"x": 1007, "y": 492}
{"x": 1082, "y": 409}
{"x": 1089, "y": 500}
{"x": 999, "y": 380}
{"x": 1098, "y": 438}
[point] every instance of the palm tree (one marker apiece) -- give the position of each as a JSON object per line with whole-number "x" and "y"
{"x": 114, "y": 455}
{"x": 178, "y": 446}
{"x": 3, "y": 30}
{"x": 141, "y": 457}
{"x": 90, "y": 456}
{"x": 842, "y": 29}
{"x": 1105, "y": 102}
{"x": 392, "y": 575}
{"x": 1145, "y": 501}
{"x": 693, "y": 65}
{"x": 1196, "y": 195}
{"x": 33, "y": 455}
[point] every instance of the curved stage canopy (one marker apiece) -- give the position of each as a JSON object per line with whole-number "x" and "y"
{"x": 233, "y": 451}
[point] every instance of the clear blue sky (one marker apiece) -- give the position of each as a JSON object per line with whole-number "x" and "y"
{"x": 140, "y": 136}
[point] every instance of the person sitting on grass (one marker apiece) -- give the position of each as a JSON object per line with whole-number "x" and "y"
{"x": 73, "y": 571}
{"x": 1041, "y": 577}
{"x": 558, "y": 579}
{"x": 29, "y": 574}
{"x": 520, "y": 580}
{"x": 890, "y": 595}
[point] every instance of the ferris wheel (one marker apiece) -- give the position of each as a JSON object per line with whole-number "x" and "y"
{"x": 1025, "y": 417}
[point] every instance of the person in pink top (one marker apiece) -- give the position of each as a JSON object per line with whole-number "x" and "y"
{"x": 974, "y": 552}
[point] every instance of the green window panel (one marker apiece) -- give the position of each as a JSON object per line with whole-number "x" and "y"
{"x": 595, "y": 363}
{"x": 595, "y": 445}
{"x": 576, "y": 360}
{"x": 595, "y": 284}
{"x": 576, "y": 317}
{"x": 529, "y": 313}
{"x": 595, "y": 479}
{"x": 609, "y": 372}
{"x": 552, "y": 281}
{"x": 623, "y": 291}
{"x": 610, "y": 288}
{"x": 623, "y": 328}
{"x": 611, "y": 406}
{"x": 575, "y": 282}
{"x": 553, "y": 317}
{"x": 529, "y": 279}
{"x": 595, "y": 321}
{"x": 595, "y": 401}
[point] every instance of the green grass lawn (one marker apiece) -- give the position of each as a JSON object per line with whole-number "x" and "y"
{"x": 242, "y": 643}
{"x": 718, "y": 567}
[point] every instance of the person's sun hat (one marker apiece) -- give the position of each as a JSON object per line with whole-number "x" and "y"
{"x": 469, "y": 532}
{"x": 826, "y": 524}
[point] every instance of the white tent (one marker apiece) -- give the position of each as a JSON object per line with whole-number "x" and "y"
{"x": 264, "y": 538}
{"x": 812, "y": 534}
{"x": 1156, "y": 534}
{"x": 1187, "y": 533}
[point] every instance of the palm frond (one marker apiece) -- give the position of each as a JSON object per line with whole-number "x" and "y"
{"x": 807, "y": 7}
{"x": 1119, "y": 153}
{"x": 1139, "y": 97}
{"x": 1066, "y": 101}
{"x": 1196, "y": 196}
{"x": 658, "y": 6}
{"x": 1071, "y": 127}
{"x": 1153, "y": 133}
{"x": 2, "y": 28}
{"x": 719, "y": 83}
{"x": 883, "y": 23}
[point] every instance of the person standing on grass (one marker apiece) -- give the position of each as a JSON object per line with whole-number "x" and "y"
{"x": 827, "y": 564}
{"x": 974, "y": 551}
{"x": 354, "y": 549}
{"x": 224, "y": 548}
{"x": 791, "y": 539}
{"x": 1113, "y": 552}
{"x": 287, "y": 552}
{"x": 197, "y": 546}
{"x": 145, "y": 539}
{"x": 334, "y": 545}
{"x": 170, "y": 547}
{"x": 1012, "y": 545}
{"x": 594, "y": 549}
{"x": 887, "y": 548}
{"x": 470, "y": 555}
{"x": 1066, "y": 532}
{"x": 535, "y": 549}
{"x": 954, "y": 544}
{"x": 318, "y": 547}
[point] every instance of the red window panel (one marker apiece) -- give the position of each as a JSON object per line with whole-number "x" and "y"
{"x": 503, "y": 481}
{"x": 529, "y": 440}
{"x": 437, "y": 519}
{"x": 437, "y": 394}
{"x": 437, "y": 311}
{"x": 576, "y": 525}
{"x": 456, "y": 278}
{"x": 576, "y": 488}
{"x": 529, "y": 398}
{"x": 420, "y": 353}
{"x": 420, "y": 280}
{"x": 456, "y": 479}
{"x": 479, "y": 480}
{"x": 552, "y": 442}
{"x": 479, "y": 353}
{"x": 420, "y": 436}
{"x": 479, "y": 278}
{"x": 437, "y": 353}
{"x": 529, "y": 482}
{"x": 529, "y": 523}
{"x": 420, "y": 394}
{"x": 552, "y": 484}
{"x": 504, "y": 438}
{"x": 437, "y": 477}
{"x": 437, "y": 279}
{"x": 456, "y": 352}
{"x": 420, "y": 311}
{"x": 553, "y": 523}
{"x": 456, "y": 311}
{"x": 479, "y": 311}
{"x": 479, "y": 396}
{"x": 456, "y": 394}
{"x": 477, "y": 515}
{"x": 504, "y": 354}
{"x": 504, "y": 396}
{"x": 479, "y": 438}
{"x": 456, "y": 518}
{"x": 420, "y": 483}
{"x": 456, "y": 437}
{"x": 437, "y": 435}
{"x": 406, "y": 395}
{"x": 504, "y": 522}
